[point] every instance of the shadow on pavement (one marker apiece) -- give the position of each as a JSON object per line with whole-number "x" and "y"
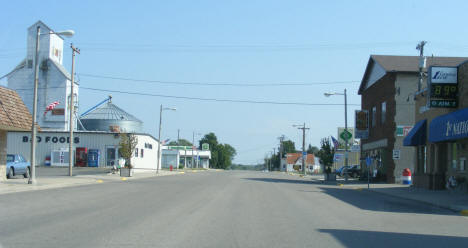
{"x": 281, "y": 180}
{"x": 359, "y": 239}
{"x": 378, "y": 202}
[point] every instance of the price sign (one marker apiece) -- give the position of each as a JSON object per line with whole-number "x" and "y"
{"x": 444, "y": 91}
{"x": 443, "y": 82}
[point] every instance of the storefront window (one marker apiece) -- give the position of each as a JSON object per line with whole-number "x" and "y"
{"x": 462, "y": 164}
{"x": 454, "y": 156}
{"x": 422, "y": 159}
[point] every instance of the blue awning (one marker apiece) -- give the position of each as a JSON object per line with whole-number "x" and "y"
{"x": 417, "y": 135}
{"x": 450, "y": 126}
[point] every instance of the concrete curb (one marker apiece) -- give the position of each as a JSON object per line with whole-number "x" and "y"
{"x": 455, "y": 209}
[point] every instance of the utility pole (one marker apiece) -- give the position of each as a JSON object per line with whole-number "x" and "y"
{"x": 304, "y": 155}
{"x": 32, "y": 177}
{"x": 422, "y": 62}
{"x": 193, "y": 145}
{"x": 281, "y": 138}
{"x": 274, "y": 153}
{"x": 178, "y": 149}
{"x": 159, "y": 140}
{"x": 72, "y": 110}
{"x": 346, "y": 129}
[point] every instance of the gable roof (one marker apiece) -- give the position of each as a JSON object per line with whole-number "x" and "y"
{"x": 292, "y": 158}
{"x": 405, "y": 64}
{"x": 14, "y": 115}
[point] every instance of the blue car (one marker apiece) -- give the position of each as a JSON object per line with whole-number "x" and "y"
{"x": 17, "y": 165}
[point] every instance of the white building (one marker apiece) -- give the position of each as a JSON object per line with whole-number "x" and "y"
{"x": 54, "y": 144}
{"x": 183, "y": 155}
{"x": 54, "y": 79}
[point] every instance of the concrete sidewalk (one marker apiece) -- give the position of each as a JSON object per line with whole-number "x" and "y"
{"x": 452, "y": 200}
{"x": 50, "y": 178}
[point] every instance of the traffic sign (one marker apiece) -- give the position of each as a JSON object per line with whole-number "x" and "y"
{"x": 346, "y": 135}
{"x": 304, "y": 153}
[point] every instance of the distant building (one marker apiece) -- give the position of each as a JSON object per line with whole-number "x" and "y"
{"x": 387, "y": 93}
{"x": 185, "y": 156}
{"x": 54, "y": 79}
{"x": 293, "y": 162}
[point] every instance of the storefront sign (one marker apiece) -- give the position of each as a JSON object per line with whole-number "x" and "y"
{"x": 361, "y": 124}
{"x": 443, "y": 83}
{"x": 355, "y": 148}
{"x": 403, "y": 130}
{"x": 52, "y": 139}
{"x": 451, "y": 126}
{"x": 375, "y": 144}
{"x": 338, "y": 157}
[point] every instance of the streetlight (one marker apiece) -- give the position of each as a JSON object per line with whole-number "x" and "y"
{"x": 346, "y": 126}
{"x": 66, "y": 33}
{"x": 159, "y": 136}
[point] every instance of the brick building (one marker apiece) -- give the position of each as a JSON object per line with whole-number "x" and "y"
{"x": 387, "y": 91}
{"x": 441, "y": 138}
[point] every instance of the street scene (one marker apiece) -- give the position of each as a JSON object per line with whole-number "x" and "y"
{"x": 233, "y": 124}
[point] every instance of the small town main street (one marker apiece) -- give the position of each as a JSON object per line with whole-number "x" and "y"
{"x": 223, "y": 209}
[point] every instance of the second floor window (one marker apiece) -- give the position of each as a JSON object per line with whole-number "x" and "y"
{"x": 374, "y": 116}
{"x": 383, "y": 113}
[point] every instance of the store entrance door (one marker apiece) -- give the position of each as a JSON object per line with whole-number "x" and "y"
{"x": 111, "y": 156}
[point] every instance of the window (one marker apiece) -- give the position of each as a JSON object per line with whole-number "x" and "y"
{"x": 141, "y": 152}
{"x": 374, "y": 115}
{"x": 462, "y": 164}
{"x": 383, "y": 112}
{"x": 136, "y": 152}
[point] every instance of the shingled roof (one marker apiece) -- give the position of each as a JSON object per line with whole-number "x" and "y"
{"x": 14, "y": 115}
{"x": 292, "y": 158}
{"x": 406, "y": 64}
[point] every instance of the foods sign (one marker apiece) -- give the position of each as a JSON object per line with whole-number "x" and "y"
{"x": 361, "y": 130}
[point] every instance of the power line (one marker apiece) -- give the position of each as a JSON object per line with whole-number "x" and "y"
{"x": 217, "y": 83}
{"x": 216, "y": 99}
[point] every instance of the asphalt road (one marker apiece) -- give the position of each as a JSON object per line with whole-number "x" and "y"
{"x": 223, "y": 209}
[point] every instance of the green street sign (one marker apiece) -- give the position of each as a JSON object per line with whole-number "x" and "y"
{"x": 346, "y": 135}
{"x": 205, "y": 146}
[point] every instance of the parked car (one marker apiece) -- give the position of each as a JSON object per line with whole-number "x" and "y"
{"x": 352, "y": 171}
{"x": 17, "y": 165}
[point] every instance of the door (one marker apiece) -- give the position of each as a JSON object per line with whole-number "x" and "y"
{"x": 111, "y": 158}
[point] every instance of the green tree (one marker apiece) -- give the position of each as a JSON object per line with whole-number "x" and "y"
{"x": 181, "y": 142}
{"x": 326, "y": 154}
{"x": 225, "y": 155}
{"x": 288, "y": 147}
{"x": 312, "y": 150}
{"x": 127, "y": 145}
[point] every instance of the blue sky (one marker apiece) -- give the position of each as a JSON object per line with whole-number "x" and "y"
{"x": 238, "y": 42}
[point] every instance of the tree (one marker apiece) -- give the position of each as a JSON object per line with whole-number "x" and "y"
{"x": 127, "y": 144}
{"x": 221, "y": 154}
{"x": 326, "y": 154}
{"x": 312, "y": 150}
{"x": 288, "y": 147}
{"x": 181, "y": 142}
